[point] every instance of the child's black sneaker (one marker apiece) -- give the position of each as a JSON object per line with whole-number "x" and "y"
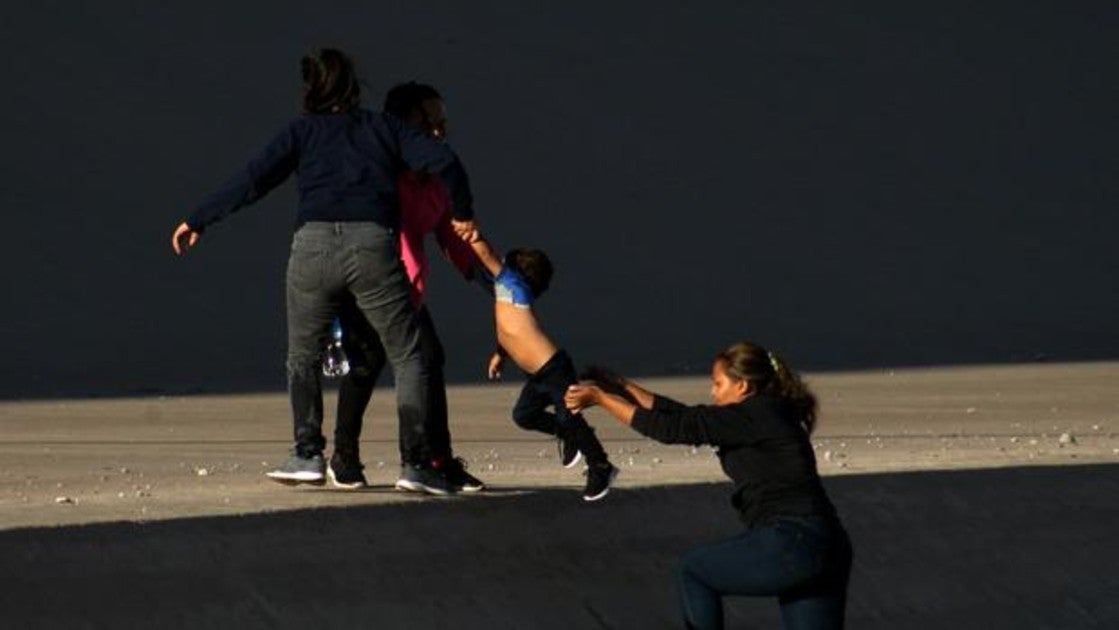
{"x": 599, "y": 478}
{"x": 455, "y": 471}
{"x": 415, "y": 478}
{"x": 569, "y": 453}
{"x": 345, "y": 472}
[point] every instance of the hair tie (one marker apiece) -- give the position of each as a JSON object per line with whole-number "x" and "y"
{"x": 773, "y": 363}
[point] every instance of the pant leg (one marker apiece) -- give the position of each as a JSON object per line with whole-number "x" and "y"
{"x": 376, "y": 279}
{"x": 367, "y": 359}
{"x": 554, "y": 378}
{"x": 823, "y": 602}
{"x": 313, "y": 284}
{"x": 762, "y": 561}
{"x": 531, "y": 410}
{"x": 438, "y": 425}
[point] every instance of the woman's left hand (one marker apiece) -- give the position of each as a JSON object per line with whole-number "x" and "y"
{"x": 184, "y": 238}
{"x": 580, "y": 396}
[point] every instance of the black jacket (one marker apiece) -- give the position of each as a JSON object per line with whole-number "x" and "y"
{"x": 761, "y": 446}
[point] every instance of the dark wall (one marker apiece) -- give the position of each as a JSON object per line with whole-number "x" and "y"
{"x": 894, "y": 183}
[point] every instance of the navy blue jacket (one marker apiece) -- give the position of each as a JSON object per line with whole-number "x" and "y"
{"x": 347, "y": 165}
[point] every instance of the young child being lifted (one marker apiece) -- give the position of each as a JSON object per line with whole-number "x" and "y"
{"x": 519, "y": 280}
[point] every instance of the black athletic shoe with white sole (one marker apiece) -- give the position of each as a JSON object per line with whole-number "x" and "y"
{"x": 569, "y": 453}
{"x": 344, "y": 471}
{"x": 423, "y": 479}
{"x": 455, "y": 471}
{"x": 599, "y": 479}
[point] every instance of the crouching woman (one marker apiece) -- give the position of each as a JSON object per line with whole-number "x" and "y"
{"x": 793, "y": 546}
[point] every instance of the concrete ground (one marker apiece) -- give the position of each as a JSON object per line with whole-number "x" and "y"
{"x": 975, "y": 497}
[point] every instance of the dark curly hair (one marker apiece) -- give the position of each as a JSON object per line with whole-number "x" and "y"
{"x": 403, "y": 99}
{"x": 534, "y": 266}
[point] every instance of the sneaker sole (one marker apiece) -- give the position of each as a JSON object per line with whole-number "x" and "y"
{"x": 353, "y": 485}
{"x": 606, "y": 490}
{"x": 574, "y": 462}
{"x": 415, "y": 486}
{"x": 295, "y": 479}
{"x": 472, "y": 488}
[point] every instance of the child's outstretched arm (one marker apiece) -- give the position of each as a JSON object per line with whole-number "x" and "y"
{"x": 455, "y": 250}
{"x": 489, "y": 258}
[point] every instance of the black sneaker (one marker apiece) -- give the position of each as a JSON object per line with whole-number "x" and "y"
{"x": 423, "y": 479}
{"x": 345, "y": 471}
{"x": 569, "y": 453}
{"x": 455, "y": 471}
{"x": 599, "y": 478}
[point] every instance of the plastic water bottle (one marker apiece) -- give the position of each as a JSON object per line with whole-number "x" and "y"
{"x": 335, "y": 364}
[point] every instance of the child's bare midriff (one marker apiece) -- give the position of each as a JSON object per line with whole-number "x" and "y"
{"x": 520, "y": 335}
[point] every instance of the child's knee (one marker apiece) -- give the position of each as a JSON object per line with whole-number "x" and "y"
{"x": 535, "y": 420}
{"x": 523, "y": 418}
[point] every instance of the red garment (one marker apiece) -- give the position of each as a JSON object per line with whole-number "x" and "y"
{"x": 425, "y": 207}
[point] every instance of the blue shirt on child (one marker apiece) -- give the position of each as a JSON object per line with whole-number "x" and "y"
{"x": 511, "y": 287}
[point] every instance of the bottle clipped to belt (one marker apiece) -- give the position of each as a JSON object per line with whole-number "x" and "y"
{"x": 334, "y": 363}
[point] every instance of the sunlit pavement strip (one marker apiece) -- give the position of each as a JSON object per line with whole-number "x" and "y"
{"x": 79, "y": 461}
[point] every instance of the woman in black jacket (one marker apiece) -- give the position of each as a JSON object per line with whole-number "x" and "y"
{"x": 793, "y": 546}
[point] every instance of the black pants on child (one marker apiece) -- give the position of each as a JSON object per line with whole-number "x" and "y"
{"x": 546, "y": 388}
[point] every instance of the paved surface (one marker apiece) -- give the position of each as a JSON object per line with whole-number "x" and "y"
{"x": 965, "y": 506}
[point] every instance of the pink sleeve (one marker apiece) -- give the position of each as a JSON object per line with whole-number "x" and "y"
{"x": 456, "y": 250}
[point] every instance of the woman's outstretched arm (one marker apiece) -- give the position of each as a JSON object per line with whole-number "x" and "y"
{"x": 585, "y": 395}
{"x": 663, "y": 420}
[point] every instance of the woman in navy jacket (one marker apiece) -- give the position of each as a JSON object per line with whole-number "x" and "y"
{"x": 347, "y": 161}
{"x": 793, "y": 545}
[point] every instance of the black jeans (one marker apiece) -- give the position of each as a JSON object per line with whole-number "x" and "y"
{"x": 331, "y": 263}
{"x": 546, "y": 389}
{"x": 367, "y": 359}
{"x": 804, "y": 562}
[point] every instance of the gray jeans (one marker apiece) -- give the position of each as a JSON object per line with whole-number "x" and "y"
{"x": 328, "y": 262}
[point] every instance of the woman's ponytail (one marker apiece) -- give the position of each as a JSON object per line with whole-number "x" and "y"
{"x": 330, "y": 84}
{"x": 768, "y": 373}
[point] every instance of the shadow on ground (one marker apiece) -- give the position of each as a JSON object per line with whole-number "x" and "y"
{"x": 1005, "y": 548}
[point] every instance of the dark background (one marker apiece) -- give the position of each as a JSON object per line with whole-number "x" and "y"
{"x": 879, "y": 184}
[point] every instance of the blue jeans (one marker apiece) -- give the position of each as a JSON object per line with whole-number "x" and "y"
{"x": 804, "y": 562}
{"x": 332, "y": 263}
